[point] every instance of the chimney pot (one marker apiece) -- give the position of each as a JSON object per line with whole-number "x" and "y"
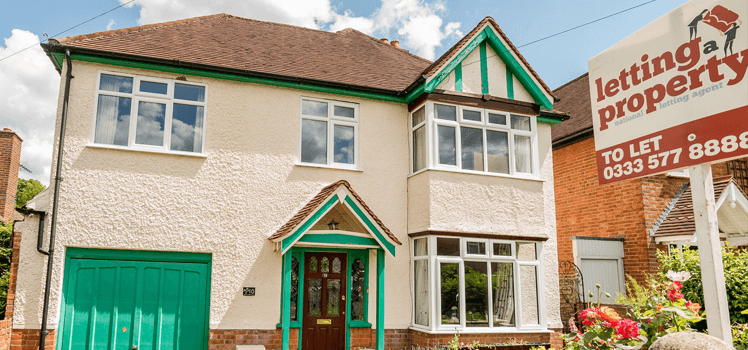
{"x": 7, "y": 129}
{"x": 396, "y": 43}
{"x": 384, "y": 40}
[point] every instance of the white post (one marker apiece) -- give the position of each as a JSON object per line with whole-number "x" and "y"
{"x": 710, "y": 252}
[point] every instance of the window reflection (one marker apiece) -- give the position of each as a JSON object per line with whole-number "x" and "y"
{"x": 450, "y": 297}
{"x": 150, "y": 124}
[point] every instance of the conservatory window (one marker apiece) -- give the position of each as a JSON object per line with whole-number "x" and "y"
{"x": 476, "y": 284}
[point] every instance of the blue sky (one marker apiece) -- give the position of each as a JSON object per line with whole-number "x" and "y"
{"x": 427, "y": 28}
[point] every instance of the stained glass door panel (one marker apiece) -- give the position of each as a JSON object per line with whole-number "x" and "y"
{"x": 323, "y": 322}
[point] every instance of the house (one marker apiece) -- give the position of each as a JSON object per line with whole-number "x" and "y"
{"x": 610, "y": 231}
{"x": 228, "y": 182}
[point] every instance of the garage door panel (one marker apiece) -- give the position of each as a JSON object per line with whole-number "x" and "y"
{"x": 103, "y": 306}
{"x": 125, "y": 307}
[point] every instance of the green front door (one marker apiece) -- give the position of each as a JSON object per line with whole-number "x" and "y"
{"x": 130, "y": 304}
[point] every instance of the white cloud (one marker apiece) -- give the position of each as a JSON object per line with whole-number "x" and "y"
{"x": 416, "y": 22}
{"x": 111, "y": 24}
{"x": 29, "y": 87}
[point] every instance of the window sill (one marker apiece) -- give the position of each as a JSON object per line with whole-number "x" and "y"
{"x": 480, "y": 173}
{"x": 476, "y": 330}
{"x": 123, "y": 148}
{"x": 324, "y": 166}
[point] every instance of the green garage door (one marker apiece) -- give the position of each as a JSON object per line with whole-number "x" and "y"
{"x": 114, "y": 300}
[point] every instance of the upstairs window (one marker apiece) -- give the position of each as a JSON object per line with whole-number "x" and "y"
{"x": 329, "y": 133}
{"x": 473, "y": 140}
{"x": 148, "y": 113}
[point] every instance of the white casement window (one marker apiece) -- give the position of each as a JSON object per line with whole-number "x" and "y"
{"x": 474, "y": 140}
{"x": 476, "y": 285}
{"x": 329, "y": 133}
{"x": 149, "y": 114}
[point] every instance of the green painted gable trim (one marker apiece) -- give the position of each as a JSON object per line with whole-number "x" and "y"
{"x": 415, "y": 94}
{"x": 233, "y": 77}
{"x": 509, "y": 84}
{"x": 339, "y": 239}
{"x": 483, "y": 68}
{"x": 517, "y": 69}
{"x": 458, "y": 77}
{"x": 385, "y": 243}
{"x": 288, "y": 241}
{"x": 431, "y": 85}
{"x": 551, "y": 121}
{"x": 139, "y": 255}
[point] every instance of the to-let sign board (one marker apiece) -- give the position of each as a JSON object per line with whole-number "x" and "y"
{"x": 673, "y": 94}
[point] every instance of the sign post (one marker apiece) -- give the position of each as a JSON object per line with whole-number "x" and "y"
{"x": 672, "y": 95}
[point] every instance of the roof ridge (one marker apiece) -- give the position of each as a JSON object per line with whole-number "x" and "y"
{"x": 572, "y": 81}
{"x": 113, "y": 32}
{"x": 669, "y": 208}
{"x": 381, "y": 43}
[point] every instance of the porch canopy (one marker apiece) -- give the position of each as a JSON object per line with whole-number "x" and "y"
{"x": 677, "y": 225}
{"x": 336, "y": 218}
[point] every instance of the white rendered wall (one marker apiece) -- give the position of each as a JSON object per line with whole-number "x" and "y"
{"x": 471, "y": 78}
{"x": 496, "y": 70}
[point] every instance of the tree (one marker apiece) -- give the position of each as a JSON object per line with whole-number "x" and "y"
{"x": 27, "y": 189}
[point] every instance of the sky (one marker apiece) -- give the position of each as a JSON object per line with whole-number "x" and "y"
{"x": 29, "y": 84}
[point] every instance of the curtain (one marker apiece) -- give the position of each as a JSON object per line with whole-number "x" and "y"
{"x": 106, "y": 119}
{"x": 522, "y": 154}
{"x": 197, "y": 145}
{"x": 421, "y": 292}
{"x": 503, "y": 294}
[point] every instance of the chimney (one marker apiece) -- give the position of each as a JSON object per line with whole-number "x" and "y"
{"x": 10, "y": 161}
{"x": 384, "y": 40}
{"x": 396, "y": 43}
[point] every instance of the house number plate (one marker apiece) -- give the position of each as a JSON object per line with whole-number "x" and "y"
{"x": 249, "y": 291}
{"x": 327, "y": 321}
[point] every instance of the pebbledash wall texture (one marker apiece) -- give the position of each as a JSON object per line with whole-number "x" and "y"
{"x": 248, "y": 185}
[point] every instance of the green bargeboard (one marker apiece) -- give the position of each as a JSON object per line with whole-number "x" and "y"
{"x": 115, "y": 304}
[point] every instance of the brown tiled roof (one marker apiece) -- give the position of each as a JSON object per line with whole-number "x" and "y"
{"x": 680, "y": 218}
{"x": 344, "y": 57}
{"x": 444, "y": 59}
{"x": 317, "y": 201}
{"x": 575, "y": 101}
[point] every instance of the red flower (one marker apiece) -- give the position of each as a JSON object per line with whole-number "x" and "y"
{"x": 659, "y": 307}
{"x": 590, "y": 315}
{"x": 678, "y": 285}
{"x": 609, "y": 315}
{"x": 674, "y": 295}
{"x": 627, "y": 329}
{"x": 695, "y": 307}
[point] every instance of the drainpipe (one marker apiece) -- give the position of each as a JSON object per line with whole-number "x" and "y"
{"x": 51, "y": 255}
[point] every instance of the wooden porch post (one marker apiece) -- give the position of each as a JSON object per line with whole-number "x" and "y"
{"x": 286, "y": 300}
{"x": 380, "y": 299}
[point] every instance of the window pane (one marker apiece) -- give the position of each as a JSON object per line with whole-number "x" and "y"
{"x": 448, "y": 246}
{"x": 324, "y": 265}
{"x": 421, "y": 290}
{"x": 497, "y": 144}
{"x": 520, "y": 122}
{"x": 187, "y": 128}
{"x": 476, "y": 248}
{"x": 150, "y": 126}
{"x": 315, "y": 296}
{"x": 419, "y": 148}
{"x": 314, "y": 108}
{"x": 450, "y": 293}
{"x": 446, "y": 112}
{"x": 313, "y": 141}
{"x": 476, "y": 294}
{"x": 529, "y": 292}
{"x": 115, "y": 83}
{"x": 358, "y": 279}
{"x": 502, "y": 294}
{"x": 502, "y": 249}
{"x": 471, "y": 115}
{"x": 496, "y": 118}
{"x": 333, "y": 297}
{"x": 313, "y": 264}
{"x": 345, "y": 112}
{"x": 522, "y": 154}
{"x": 113, "y": 120}
{"x": 189, "y": 92}
{"x": 421, "y": 247}
{"x": 344, "y": 144}
{"x": 419, "y": 116}
{"x": 447, "y": 151}
{"x": 526, "y": 251}
{"x": 294, "y": 288}
{"x": 472, "y": 148}
{"x": 336, "y": 265}
{"x": 154, "y": 88}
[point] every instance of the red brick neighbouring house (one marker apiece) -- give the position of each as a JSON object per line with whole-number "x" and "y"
{"x": 614, "y": 230}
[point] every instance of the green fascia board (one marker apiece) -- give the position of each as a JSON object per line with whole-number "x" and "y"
{"x": 385, "y": 243}
{"x": 415, "y": 94}
{"x": 509, "y": 84}
{"x": 137, "y": 255}
{"x": 551, "y": 121}
{"x": 431, "y": 85}
{"x": 339, "y": 239}
{"x": 517, "y": 69}
{"x": 458, "y": 77}
{"x": 288, "y": 241}
{"x": 483, "y": 68}
{"x": 233, "y": 77}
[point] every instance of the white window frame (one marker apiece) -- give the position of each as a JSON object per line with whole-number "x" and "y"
{"x": 135, "y": 98}
{"x": 332, "y": 120}
{"x": 424, "y": 123}
{"x": 432, "y": 140}
{"x": 434, "y": 283}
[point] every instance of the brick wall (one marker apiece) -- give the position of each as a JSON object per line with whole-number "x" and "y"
{"x": 10, "y": 160}
{"x": 28, "y": 339}
{"x": 6, "y": 326}
{"x": 363, "y": 338}
{"x": 13, "y": 276}
{"x": 228, "y": 339}
{"x": 421, "y": 340}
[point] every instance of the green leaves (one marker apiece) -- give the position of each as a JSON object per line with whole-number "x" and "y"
{"x": 26, "y": 190}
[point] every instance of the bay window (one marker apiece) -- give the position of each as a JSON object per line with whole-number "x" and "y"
{"x": 475, "y": 140}
{"x": 329, "y": 133}
{"x": 474, "y": 284}
{"x": 149, "y": 114}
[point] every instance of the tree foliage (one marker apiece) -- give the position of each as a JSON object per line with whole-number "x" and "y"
{"x": 27, "y": 189}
